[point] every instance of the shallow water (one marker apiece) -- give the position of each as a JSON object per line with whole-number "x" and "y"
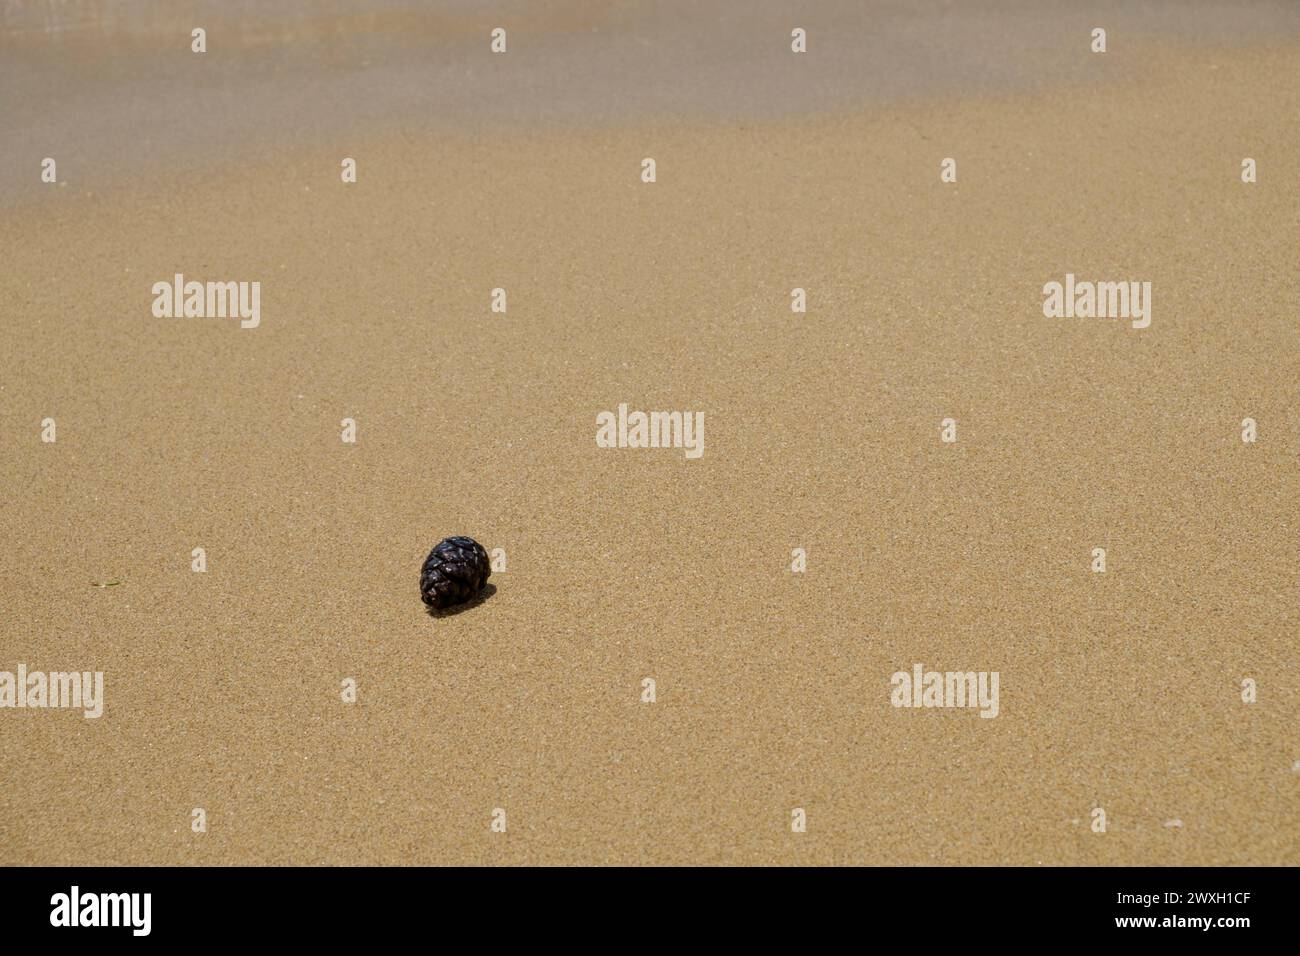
{"x": 111, "y": 87}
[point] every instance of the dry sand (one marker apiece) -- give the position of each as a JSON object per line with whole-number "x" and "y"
{"x": 1119, "y": 690}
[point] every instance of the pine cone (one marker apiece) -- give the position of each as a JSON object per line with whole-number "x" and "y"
{"x": 454, "y": 572}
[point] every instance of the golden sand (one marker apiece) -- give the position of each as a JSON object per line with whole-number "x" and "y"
{"x": 1119, "y": 690}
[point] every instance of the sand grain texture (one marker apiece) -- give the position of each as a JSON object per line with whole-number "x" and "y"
{"x": 1119, "y": 690}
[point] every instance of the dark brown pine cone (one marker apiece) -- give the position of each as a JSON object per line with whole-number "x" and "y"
{"x": 454, "y": 572}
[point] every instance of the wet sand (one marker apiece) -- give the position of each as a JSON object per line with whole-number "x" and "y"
{"x": 1119, "y": 690}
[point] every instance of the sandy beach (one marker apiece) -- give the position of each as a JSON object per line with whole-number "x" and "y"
{"x": 1120, "y": 691}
